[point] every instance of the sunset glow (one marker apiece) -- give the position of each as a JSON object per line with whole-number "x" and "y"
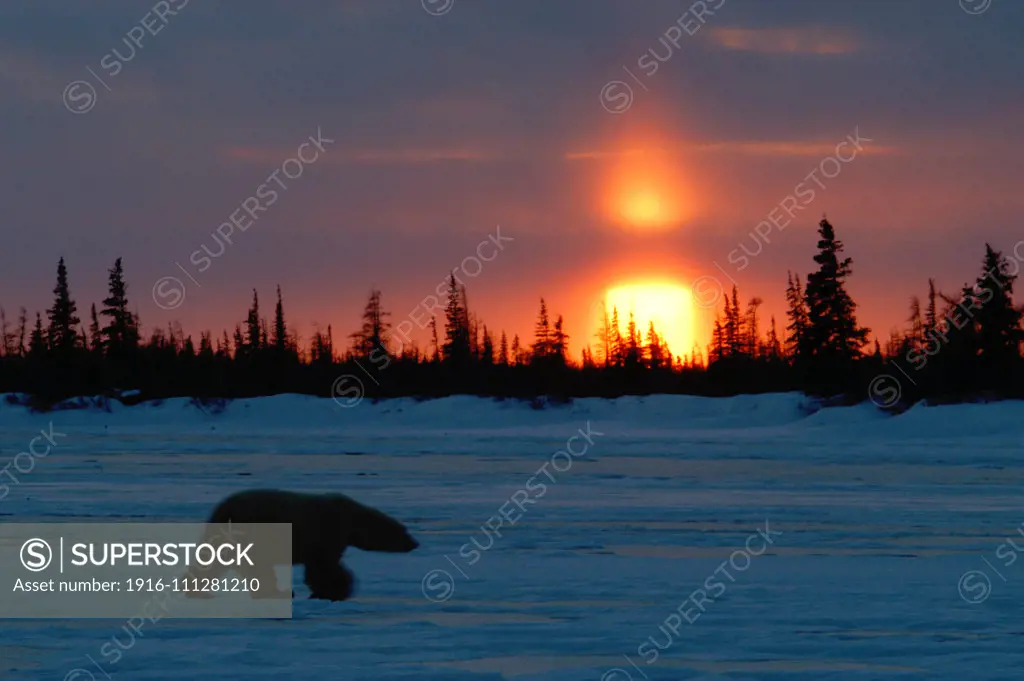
{"x": 644, "y": 208}
{"x": 668, "y": 305}
{"x": 645, "y": 191}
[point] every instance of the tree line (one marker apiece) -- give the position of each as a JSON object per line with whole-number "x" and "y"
{"x": 958, "y": 347}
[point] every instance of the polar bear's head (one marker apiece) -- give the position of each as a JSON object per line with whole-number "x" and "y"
{"x": 373, "y": 530}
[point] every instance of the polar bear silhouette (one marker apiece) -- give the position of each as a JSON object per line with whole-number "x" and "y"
{"x": 323, "y": 526}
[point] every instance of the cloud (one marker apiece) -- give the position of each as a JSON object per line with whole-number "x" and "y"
{"x": 597, "y": 155}
{"x": 370, "y": 156}
{"x": 788, "y": 148}
{"x": 426, "y": 156}
{"x": 776, "y": 148}
{"x": 794, "y": 40}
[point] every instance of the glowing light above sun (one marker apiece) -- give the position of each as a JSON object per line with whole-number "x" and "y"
{"x": 668, "y": 305}
{"x": 645, "y": 209}
{"x": 646, "y": 190}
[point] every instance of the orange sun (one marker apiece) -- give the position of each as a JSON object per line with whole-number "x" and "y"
{"x": 669, "y": 305}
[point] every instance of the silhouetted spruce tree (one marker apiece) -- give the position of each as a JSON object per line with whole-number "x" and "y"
{"x": 503, "y": 350}
{"x": 239, "y": 346}
{"x": 320, "y": 352}
{"x": 280, "y": 339}
{"x": 95, "y": 336}
{"x": 734, "y": 338}
{"x": 558, "y": 343}
{"x": 224, "y": 346}
{"x": 618, "y": 346}
{"x": 999, "y": 332}
{"x": 735, "y": 326}
{"x": 37, "y": 345}
{"x": 292, "y": 343}
{"x": 833, "y": 339}
{"x": 516, "y": 351}
{"x": 121, "y": 333}
{"x": 475, "y": 346}
{"x": 175, "y": 336}
{"x": 798, "y": 316}
{"x": 487, "y": 351}
{"x": 633, "y": 344}
{"x": 433, "y": 340}
{"x": 894, "y": 345}
{"x": 542, "y": 334}
{"x": 728, "y": 328}
{"x": 206, "y": 345}
{"x": 653, "y": 349}
{"x": 456, "y": 345}
{"x": 62, "y": 333}
{"x": 374, "y": 334}
{"x": 956, "y": 366}
{"x": 468, "y": 323}
{"x": 7, "y": 337}
{"x": 752, "y": 341}
{"x": 739, "y": 343}
{"x": 604, "y": 337}
{"x": 717, "y": 351}
{"x": 774, "y": 346}
{"x": 931, "y": 314}
{"x": 253, "y": 328}
{"x": 22, "y": 331}
{"x": 916, "y": 323}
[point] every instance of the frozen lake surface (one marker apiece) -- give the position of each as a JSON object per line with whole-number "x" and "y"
{"x": 690, "y": 538}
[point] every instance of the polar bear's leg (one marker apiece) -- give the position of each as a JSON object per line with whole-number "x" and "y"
{"x": 329, "y": 581}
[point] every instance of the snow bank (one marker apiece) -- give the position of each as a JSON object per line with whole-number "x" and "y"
{"x": 639, "y": 415}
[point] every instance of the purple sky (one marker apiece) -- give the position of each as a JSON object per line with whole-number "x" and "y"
{"x": 485, "y": 113}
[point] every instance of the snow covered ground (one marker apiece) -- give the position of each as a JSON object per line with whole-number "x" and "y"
{"x": 688, "y": 538}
